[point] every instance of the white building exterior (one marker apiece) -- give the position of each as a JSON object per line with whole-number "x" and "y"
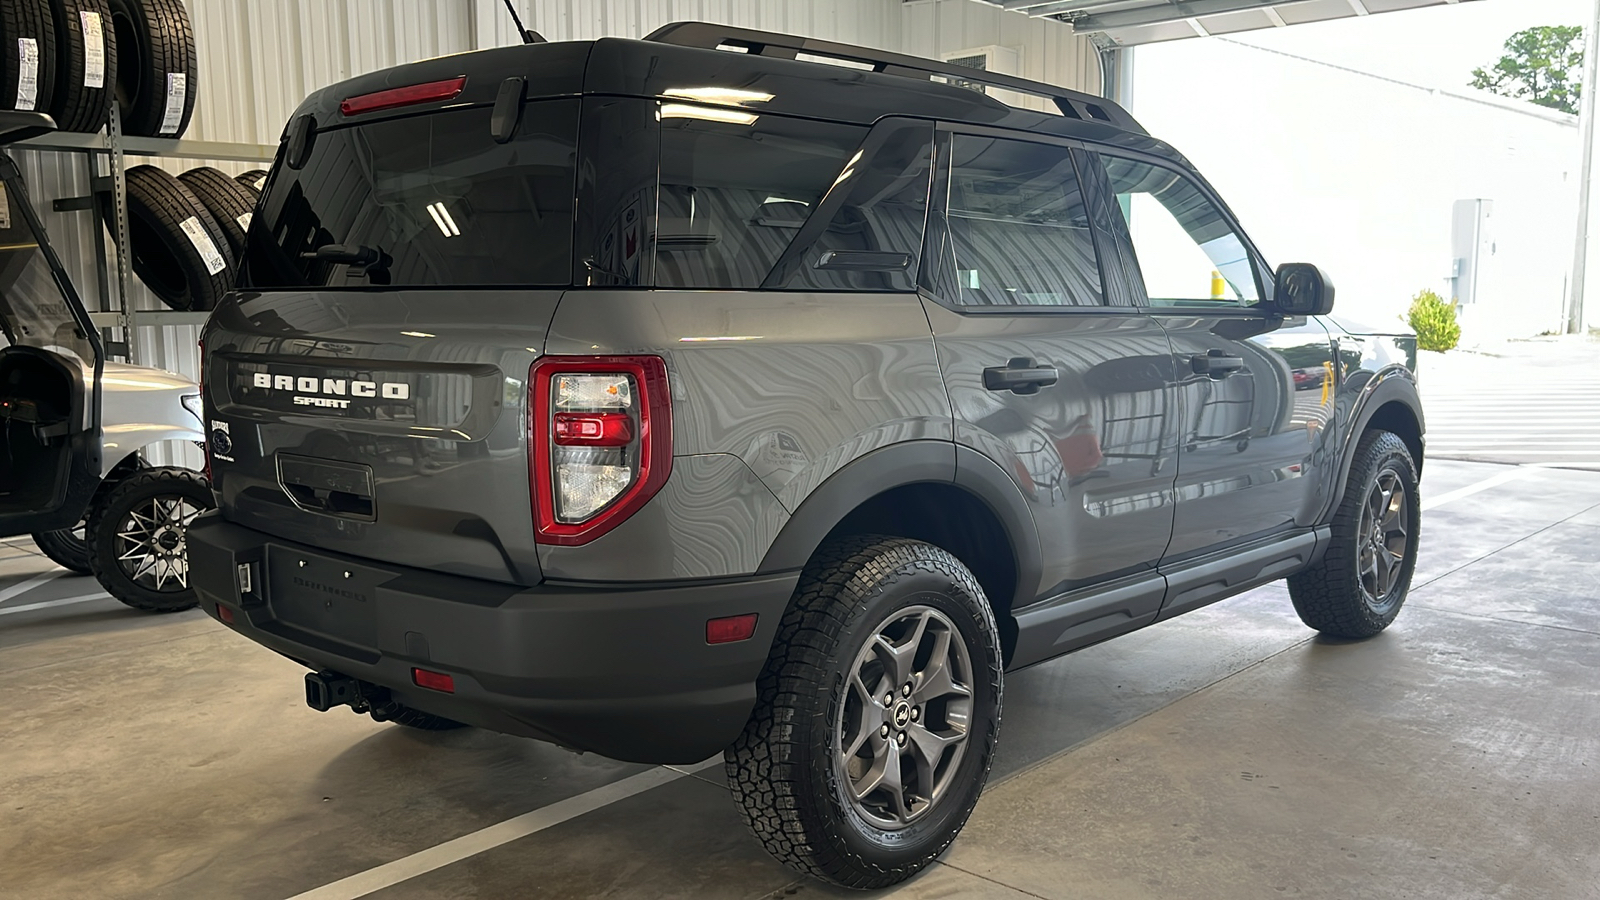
{"x": 1359, "y": 174}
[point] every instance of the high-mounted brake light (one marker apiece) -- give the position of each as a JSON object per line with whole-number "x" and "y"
{"x": 432, "y": 92}
{"x": 600, "y": 442}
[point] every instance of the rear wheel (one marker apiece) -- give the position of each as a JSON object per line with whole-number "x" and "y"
{"x": 1358, "y": 588}
{"x": 66, "y": 548}
{"x": 69, "y": 547}
{"x": 138, "y": 538}
{"x": 876, "y": 715}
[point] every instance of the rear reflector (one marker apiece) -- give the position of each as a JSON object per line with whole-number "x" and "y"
{"x": 432, "y": 92}
{"x": 225, "y": 614}
{"x": 730, "y": 629}
{"x": 434, "y": 681}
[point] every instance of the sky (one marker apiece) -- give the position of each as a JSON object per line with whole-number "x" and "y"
{"x": 1434, "y": 46}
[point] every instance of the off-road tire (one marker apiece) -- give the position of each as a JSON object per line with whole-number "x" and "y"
{"x": 77, "y": 106}
{"x": 33, "y": 20}
{"x": 154, "y": 40}
{"x": 229, "y": 202}
{"x": 782, "y": 771}
{"x": 164, "y": 257}
{"x": 104, "y": 543}
{"x": 65, "y": 549}
{"x": 1330, "y": 596}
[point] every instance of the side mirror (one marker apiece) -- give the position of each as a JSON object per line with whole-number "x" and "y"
{"x": 1303, "y": 290}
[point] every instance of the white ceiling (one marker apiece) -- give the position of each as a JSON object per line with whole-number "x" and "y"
{"x": 1125, "y": 23}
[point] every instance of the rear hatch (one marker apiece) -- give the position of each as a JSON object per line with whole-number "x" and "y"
{"x": 366, "y": 385}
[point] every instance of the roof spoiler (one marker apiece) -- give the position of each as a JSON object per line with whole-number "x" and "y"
{"x": 19, "y": 126}
{"x": 706, "y": 36}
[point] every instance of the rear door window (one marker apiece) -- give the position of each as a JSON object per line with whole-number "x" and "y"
{"x": 1019, "y": 232}
{"x": 432, "y": 198}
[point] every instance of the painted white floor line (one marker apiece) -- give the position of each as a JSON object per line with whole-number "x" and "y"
{"x": 46, "y": 604}
{"x": 30, "y": 584}
{"x": 424, "y": 861}
{"x": 1506, "y": 477}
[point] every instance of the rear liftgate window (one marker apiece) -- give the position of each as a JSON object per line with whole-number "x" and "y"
{"x": 423, "y": 200}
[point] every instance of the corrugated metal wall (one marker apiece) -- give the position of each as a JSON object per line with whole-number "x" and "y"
{"x": 258, "y": 58}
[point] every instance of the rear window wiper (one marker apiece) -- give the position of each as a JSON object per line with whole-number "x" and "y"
{"x": 370, "y": 262}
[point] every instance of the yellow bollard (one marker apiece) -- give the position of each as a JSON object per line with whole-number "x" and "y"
{"x": 1219, "y": 285}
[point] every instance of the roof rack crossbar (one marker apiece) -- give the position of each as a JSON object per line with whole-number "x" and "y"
{"x": 707, "y": 36}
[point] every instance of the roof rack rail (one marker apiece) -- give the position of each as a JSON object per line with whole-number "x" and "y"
{"x": 707, "y": 36}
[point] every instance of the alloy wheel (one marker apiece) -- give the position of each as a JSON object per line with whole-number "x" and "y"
{"x": 152, "y": 546}
{"x": 1384, "y": 538}
{"x": 902, "y": 729}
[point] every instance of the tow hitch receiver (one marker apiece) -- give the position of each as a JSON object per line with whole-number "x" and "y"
{"x": 325, "y": 690}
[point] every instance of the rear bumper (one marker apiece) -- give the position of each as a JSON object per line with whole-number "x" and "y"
{"x": 623, "y": 672}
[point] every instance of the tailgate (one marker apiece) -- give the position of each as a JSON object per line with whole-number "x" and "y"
{"x": 388, "y": 425}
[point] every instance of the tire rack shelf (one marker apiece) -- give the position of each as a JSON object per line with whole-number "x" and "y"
{"x": 116, "y": 146}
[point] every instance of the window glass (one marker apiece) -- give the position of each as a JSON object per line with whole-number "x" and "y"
{"x": 1187, "y": 251}
{"x": 33, "y": 310}
{"x": 736, "y": 187}
{"x": 1019, "y": 230}
{"x": 874, "y": 238}
{"x": 434, "y": 199}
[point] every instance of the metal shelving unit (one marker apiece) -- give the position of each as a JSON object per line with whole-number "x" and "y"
{"x": 115, "y": 147}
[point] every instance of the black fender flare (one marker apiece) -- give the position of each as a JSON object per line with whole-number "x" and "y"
{"x": 1392, "y": 384}
{"x": 900, "y": 465}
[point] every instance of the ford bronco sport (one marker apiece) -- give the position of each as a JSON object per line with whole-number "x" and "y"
{"x": 736, "y": 392}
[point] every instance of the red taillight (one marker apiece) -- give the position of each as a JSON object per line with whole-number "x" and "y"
{"x": 729, "y": 629}
{"x": 432, "y": 92}
{"x": 600, "y": 442}
{"x": 434, "y": 681}
{"x": 593, "y": 429}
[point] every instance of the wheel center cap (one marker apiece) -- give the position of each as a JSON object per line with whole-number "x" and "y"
{"x": 167, "y": 540}
{"x": 902, "y": 714}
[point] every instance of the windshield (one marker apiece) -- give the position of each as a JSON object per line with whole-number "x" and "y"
{"x": 427, "y": 200}
{"x": 34, "y": 312}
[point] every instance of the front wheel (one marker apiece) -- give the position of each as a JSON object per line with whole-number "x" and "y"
{"x": 1362, "y": 581}
{"x": 138, "y": 538}
{"x": 876, "y": 715}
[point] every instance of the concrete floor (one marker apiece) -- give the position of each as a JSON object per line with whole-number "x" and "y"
{"x": 1226, "y": 754}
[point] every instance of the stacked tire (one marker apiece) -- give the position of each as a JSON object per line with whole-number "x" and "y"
{"x": 176, "y": 245}
{"x": 27, "y": 55}
{"x": 73, "y": 58}
{"x": 187, "y": 232}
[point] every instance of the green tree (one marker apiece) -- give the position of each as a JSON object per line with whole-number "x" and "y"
{"x": 1542, "y": 65}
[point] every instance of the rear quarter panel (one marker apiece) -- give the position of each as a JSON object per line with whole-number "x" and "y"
{"x": 771, "y": 394}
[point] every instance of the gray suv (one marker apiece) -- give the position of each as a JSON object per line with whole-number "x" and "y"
{"x": 736, "y": 392}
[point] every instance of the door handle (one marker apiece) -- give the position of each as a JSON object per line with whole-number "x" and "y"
{"x": 1020, "y": 376}
{"x": 1216, "y": 363}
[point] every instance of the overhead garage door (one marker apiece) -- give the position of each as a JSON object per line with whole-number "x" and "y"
{"x": 1126, "y": 23}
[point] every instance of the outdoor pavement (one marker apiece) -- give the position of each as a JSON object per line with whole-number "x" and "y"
{"x": 1226, "y": 754}
{"x": 1527, "y": 401}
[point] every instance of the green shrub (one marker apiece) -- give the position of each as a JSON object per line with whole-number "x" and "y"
{"x": 1434, "y": 321}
